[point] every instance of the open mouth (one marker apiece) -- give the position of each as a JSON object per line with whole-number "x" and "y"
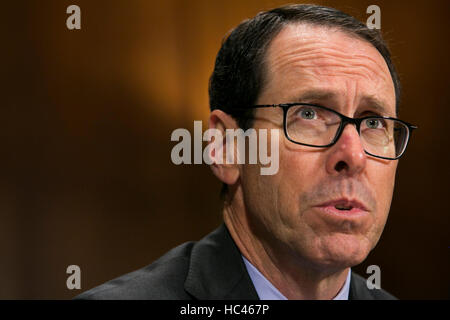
{"x": 343, "y": 207}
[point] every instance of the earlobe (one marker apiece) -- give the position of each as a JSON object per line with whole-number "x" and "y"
{"x": 228, "y": 173}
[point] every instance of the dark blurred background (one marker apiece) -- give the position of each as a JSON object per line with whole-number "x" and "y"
{"x": 86, "y": 118}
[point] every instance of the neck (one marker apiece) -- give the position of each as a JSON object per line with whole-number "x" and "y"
{"x": 294, "y": 277}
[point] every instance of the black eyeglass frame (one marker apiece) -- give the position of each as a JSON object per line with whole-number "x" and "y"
{"x": 344, "y": 121}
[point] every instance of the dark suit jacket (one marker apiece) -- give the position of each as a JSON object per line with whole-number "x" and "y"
{"x": 211, "y": 268}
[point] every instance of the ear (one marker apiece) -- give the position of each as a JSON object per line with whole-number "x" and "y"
{"x": 228, "y": 173}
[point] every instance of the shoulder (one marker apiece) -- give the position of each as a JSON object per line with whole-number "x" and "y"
{"x": 360, "y": 291}
{"x": 163, "y": 279}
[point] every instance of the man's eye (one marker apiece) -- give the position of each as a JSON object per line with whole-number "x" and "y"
{"x": 375, "y": 123}
{"x": 308, "y": 114}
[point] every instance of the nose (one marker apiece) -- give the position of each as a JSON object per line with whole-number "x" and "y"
{"x": 347, "y": 155}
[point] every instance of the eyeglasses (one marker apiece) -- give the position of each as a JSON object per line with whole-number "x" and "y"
{"x": 317, "y": 126}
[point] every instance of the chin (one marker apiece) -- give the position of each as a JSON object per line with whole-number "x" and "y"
{"x": 341, "y": 251}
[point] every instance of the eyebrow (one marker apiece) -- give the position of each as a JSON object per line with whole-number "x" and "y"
{"x": 374, "y": 103}
{"x": 316, "y": 95}
{"x": 377, "y": 105}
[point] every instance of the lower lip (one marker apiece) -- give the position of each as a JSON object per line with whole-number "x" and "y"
{"x": 353, "y": 213}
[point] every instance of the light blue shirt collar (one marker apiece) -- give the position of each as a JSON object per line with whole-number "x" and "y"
{"x": 267, "y": 291}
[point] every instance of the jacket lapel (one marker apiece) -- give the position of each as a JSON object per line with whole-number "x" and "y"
{"x": 217, "y": 270}
{"x": 358, "y": 289}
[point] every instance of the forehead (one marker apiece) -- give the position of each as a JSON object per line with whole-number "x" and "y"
{"x": 304, "y": 57}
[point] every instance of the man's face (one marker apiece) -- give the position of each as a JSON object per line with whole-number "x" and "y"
{"x": 293, "y": 212}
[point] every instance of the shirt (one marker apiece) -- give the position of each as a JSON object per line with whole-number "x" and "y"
{"x": 267, "y": 291}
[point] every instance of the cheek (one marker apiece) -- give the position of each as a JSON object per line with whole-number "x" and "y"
{"x": 382, "y": 177}
{"x": 300, "y": 170}
{"x": 300, "y": 167}
{"x": 275, "y": 199}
